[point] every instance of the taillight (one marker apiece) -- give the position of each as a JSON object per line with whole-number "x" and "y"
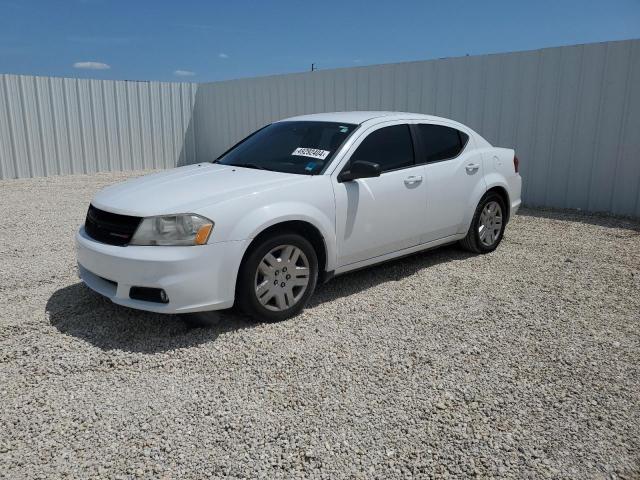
{"x": 516, "y": 164}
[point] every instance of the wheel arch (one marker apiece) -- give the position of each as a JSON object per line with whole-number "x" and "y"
{"x": 490, "y": 185}
{"x": 302, "y": 217}
{"x": 301, "y": 227}
{"x": 504, "y": 194}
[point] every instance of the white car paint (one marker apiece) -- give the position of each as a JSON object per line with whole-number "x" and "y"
{"x": 362, "y": 222}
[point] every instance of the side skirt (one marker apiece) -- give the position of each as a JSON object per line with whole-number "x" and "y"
{"x": 395, "y": 255}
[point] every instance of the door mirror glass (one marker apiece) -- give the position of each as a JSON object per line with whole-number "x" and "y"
{"x": 360, "y": 169}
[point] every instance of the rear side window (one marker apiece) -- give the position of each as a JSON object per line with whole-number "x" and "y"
{"x": 440, "y": 142}
{"x": 391, "y": 147}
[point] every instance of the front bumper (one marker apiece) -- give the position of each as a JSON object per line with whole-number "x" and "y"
{"x": 196, "y": 279}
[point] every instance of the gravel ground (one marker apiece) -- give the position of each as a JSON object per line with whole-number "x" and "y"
{"x": 522, "y": 363}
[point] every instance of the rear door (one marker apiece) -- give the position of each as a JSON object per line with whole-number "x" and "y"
{"x": 376, "y": 216}
{"x": 453, "y": 168}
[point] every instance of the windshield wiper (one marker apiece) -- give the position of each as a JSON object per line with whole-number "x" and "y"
{"x": 248, "y": 165}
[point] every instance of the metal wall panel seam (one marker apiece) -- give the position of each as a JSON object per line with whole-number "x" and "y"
{"x": 40, "y": 128}
{"x": 536, "y": 102}
{"x": 25, "y": 126}
{"x": 596, "y": 138}
{"x": 11, "y": 128}
{"x": 100, "y": 140}
{"x": 554, "y": 128}
{"x": 105, "y": 119}
{"x": 163, "y": 122}
{"x": 574, "y": 127}
{"x": 3, "y": 145}
{"x": 192, "y": 130}
{"x": 97, "y": 132}
{"x": 623, "y": 126}
{"x": 118, "y": 125}
{"x": 82, "y": 128}
{"x": 141, "y": 136}
{"x": 517, "y": 117}
{"x": 483, "y": 82}
{"x": 501, "y": 94}
{"x": 93, "y": 132}
{"x": 132, "y": 155}
{"x": 636, "y": 210}
{"x": 179, "y": 133}
{"x": 54, "y": 125}
{"x": 154, "y": 157}
{"x": 88, "y": 130}
{"x": 65, "y": 103}
{"x": 250, "y": 103}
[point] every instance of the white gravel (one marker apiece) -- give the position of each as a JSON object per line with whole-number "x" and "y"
{"x": 522, "y": 363}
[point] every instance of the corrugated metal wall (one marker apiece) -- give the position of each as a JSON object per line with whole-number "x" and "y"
{"x": 58, "y": 126}
{"x": 572, "y": 113}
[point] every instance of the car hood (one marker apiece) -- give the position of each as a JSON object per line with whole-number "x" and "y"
{"x": 187, "y": 189}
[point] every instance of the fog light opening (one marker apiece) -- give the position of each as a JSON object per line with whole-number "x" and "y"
{"x": 147, "y": 294}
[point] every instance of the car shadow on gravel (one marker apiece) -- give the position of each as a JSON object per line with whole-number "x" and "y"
{"x": 78, "y": 311}
{"x": 391, "y": 271}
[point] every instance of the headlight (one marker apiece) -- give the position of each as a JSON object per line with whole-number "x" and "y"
{"x": 183, "y": 229}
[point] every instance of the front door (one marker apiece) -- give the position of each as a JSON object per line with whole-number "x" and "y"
{"x": 376, "y": 216}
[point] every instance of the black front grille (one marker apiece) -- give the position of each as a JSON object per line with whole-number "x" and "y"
{"x": 111, "y": 228}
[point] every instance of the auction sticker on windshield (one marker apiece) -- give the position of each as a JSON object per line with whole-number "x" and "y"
{"x": 311, "y": 152}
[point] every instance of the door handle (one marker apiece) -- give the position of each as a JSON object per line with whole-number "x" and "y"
{"x": 472, "y": 167}
{"x": 413, "y": 180}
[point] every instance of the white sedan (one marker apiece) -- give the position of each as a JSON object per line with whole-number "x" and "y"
{"x": 295, "y": 203}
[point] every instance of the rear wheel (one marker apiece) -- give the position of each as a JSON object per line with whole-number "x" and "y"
{"x": 487, "y": 225}
{"x": 277, "y": 277}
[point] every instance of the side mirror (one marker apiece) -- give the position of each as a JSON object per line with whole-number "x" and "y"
{"x": 360, "y": 169}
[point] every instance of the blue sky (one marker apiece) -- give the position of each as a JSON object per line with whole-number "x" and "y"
{"x": 211, "y": 40}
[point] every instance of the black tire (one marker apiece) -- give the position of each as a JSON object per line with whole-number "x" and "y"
{"x": 246, "y": 297}
{"x": 472, "y": 241}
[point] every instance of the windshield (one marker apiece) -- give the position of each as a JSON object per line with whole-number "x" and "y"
{"x": 304, "y": 148}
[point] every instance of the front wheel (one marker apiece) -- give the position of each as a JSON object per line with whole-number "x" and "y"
{"x": 277, "y": 277}
{"x": 487, "y": 225}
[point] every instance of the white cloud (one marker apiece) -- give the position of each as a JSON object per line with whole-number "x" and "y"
{"x": 92, "y": 65}
{"x": 223, "y": 55}
{"x": 184, "y": 73}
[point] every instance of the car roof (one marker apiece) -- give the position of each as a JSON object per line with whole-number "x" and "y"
{"x": 374, "y": 117}
{"x": 360, "y": 117}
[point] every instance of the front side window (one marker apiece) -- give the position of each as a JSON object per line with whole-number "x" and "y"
{"x": 291, "y": 147}
{"x": 440, "y": 142}
{"x": 390, "y": 147}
